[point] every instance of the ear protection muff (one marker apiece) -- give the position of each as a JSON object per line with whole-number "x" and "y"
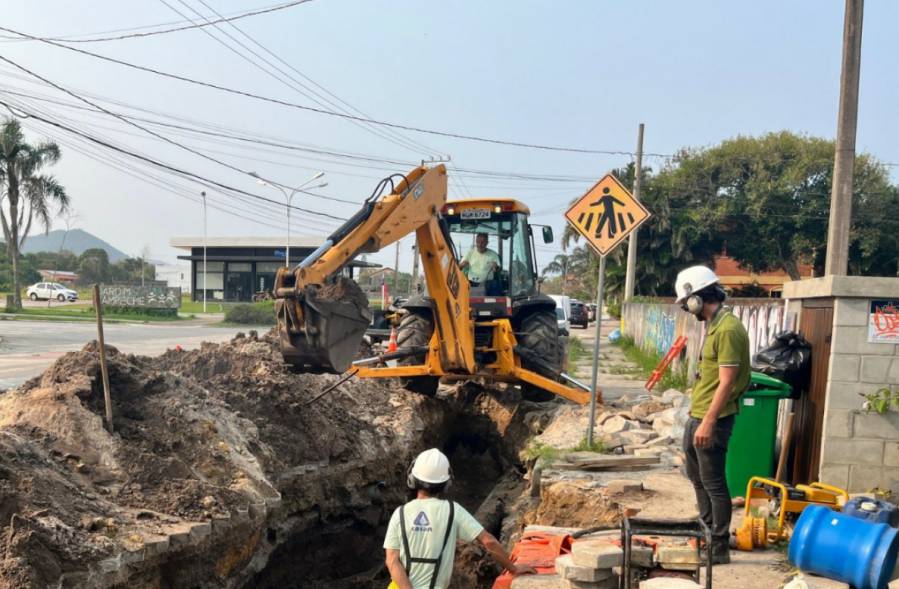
{"x": 694, "y": 303}
{"x": 410, "y": 479}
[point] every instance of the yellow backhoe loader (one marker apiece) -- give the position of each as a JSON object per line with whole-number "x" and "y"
{"x": 496, "y": 326}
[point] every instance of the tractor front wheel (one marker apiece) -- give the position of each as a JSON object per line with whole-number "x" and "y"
{"x": 415, "y": 329}
{"x": 539, "y": 333}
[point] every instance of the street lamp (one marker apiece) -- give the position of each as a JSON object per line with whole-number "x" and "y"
{"x": 289, "y": 197}
{"x": 203, "y": 194}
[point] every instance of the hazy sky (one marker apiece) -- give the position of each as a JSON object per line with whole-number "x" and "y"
{"x": 573, "y": 73}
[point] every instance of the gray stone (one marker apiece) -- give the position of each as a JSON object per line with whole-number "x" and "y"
{"x": 851, "y": 312}
{"x": 257, "y": 510}
{"x": 654, "y": 451}
{"x": 873, "y": 425}
{"x": 110, "y": 565}
{"x": 607, "y": 583}
{"x": 680, "y": 557}
{"x": 132, "y": 556}
{"x": 844, "y": 367}
{"x": 617, "y": 424}
{"x": 629, "y": 448}
{"x": 179, "y": 538}
{"x": 566, "y": 569}
{"x": 598, "y": 554}
{"x": 618, "y": 486}
{"x": 674, "y": 397}
{"x": 221, "y": 522}
{"x": 875, "y": 369}
{"x": 660, "y": 441}
{"x": 852, "y": 451}
{"x": 538, "y": 582}
{"x": 200, "y": 531}
{"x": 638, "y": 436}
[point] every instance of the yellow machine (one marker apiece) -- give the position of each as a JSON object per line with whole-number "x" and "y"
{"x": 500, "y": 329}
{"x": 782, "y": 500}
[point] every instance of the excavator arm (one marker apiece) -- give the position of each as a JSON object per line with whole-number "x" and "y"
{"x": 322, "y": 317}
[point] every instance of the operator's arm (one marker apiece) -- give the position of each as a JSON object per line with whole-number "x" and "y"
{"x": 496, "y": 549}
{"x": 397, "y": 572}
{"x": 465, "y": 263}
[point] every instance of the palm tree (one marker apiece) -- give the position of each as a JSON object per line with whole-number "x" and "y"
{"x": 28, "y": 195}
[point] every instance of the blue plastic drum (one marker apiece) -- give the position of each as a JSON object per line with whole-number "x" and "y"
{"x": 844, "y": 548}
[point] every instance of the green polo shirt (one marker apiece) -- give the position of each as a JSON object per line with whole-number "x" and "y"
{"x": 726, "y": 344}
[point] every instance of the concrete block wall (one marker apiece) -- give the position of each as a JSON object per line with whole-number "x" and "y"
{"x": 860, "y": 450}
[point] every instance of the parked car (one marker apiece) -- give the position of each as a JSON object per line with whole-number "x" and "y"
{"x": 563, "y": 312}
{"x": 579, "y": 314}
{"x": 51, "y": 290}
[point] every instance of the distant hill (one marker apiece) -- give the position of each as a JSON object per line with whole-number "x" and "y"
{"x": 76, "y": 241}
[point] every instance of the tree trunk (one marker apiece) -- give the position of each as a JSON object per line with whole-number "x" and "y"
{"x": 13, "y": 194}
{"x": 792, "y": 268}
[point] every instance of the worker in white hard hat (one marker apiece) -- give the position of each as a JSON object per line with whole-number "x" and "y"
{"x": 723, "y": 376}
{"x": 422, "y": 534}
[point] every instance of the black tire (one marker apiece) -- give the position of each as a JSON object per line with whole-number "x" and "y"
{"x": 416, "y": 328}
{"x": 61, "y": 298}
{"x": 540, "y": 334}
{"x": 33, "y": 296}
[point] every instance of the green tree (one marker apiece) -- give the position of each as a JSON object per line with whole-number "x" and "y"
{"x": 27, "y": 195}
{"x": 93, "y": 266}
{"x": 768, "y": 198}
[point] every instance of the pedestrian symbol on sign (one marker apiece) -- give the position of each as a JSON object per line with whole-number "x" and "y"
{"x": 606, "y": 214}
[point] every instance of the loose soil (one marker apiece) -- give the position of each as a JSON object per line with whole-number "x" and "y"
{"x": 222, "y": 471}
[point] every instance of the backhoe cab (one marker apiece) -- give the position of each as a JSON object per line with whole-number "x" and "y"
{"x": 483, "y": 314}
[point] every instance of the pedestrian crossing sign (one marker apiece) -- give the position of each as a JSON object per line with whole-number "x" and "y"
{"x": 606, "y": 214}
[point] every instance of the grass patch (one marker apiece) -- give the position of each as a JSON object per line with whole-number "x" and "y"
{"x": 583, "y": 446}
{"x": 261, "y": 313}
{"x": 189, "y": 306}
{"x": 646, "y": 361}
{"x": 87, "y": 313}
{"x": 541, "y": 451}
{"x": 576, "y": 350}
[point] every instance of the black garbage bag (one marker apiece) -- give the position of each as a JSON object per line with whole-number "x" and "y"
{"x": 788, "y": 358}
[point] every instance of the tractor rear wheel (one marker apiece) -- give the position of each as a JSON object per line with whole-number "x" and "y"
{"x": 416, "y": 328}
{"x": 539, "y": 333}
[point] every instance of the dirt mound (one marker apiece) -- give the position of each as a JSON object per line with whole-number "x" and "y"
{"x": 197, "y": 436}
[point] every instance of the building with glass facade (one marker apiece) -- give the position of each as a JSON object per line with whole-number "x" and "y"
{"x": 239, "y": 267}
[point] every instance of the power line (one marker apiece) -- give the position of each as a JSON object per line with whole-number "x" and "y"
{"x": 323, "y": 111}
{"x": 162, "y": 137}
{"x": 193, "y": 25}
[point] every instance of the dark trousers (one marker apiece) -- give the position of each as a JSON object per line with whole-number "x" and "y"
{"x": 705, "y": 469}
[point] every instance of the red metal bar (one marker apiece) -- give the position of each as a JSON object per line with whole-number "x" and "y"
{"x": 673, "y": 353}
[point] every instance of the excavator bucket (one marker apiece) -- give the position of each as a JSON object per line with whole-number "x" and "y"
{"x": 327, "y": 334}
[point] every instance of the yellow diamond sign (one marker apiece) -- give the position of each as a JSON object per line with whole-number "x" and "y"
{"x": 606, "y": 214}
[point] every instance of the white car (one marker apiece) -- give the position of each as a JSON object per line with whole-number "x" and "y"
{"x": 51, "y": 290}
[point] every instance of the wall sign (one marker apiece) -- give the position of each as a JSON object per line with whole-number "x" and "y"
{"x": 883, "y": 322}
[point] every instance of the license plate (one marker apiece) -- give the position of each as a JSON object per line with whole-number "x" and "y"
{"x": 475, "y": 214}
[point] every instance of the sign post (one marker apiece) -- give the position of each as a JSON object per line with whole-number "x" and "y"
{"x": 605, "y": 216}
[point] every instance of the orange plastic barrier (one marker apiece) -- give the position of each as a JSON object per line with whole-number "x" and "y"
{"x": 539, "y": 550}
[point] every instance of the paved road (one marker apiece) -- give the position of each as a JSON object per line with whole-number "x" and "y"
{"x": 28, "y": 347}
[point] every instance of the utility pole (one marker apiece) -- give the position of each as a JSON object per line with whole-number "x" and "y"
{"x": 203, "y": 194}
{"x": 838, "y": 226}
{"x": 414, "y": 282}
{"x": 632, "y": 239}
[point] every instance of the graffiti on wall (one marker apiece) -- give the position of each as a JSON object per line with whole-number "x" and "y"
{"x": 660, "y": 329}
{"x": 146, "y": 297}
{"x": 883, "y": 322}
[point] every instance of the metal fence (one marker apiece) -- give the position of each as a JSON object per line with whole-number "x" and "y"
{"x": 655, "y": 326}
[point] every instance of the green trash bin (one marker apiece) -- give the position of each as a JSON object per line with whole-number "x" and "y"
{"x": 751, "y": 449}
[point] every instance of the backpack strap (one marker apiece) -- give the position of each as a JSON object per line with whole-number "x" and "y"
{"x": 410, "y": 560}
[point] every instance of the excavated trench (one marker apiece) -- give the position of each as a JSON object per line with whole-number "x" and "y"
{"x": 225, "y": 471}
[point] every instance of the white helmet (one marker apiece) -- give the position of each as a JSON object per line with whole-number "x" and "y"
{"x": 693, "y": 279}
{"x": 431, "y": 466}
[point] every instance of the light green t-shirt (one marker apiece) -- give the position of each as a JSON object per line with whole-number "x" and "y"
{"x": 726, "y": 344}
{"x": 426, "y": 521}
{"x": 480, "y": 265}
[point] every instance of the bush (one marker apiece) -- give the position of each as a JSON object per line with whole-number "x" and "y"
{"x": 143, "y": 311}
{"x": 613, "y": 308}
{"x": 262, "y": 313}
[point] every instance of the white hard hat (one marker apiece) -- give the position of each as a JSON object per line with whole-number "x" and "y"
{"x": 431, "y": 466}
{"x": 693, "y": 279}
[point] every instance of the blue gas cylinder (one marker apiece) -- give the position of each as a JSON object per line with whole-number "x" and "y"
{"x": 872, "y": 510}
{"x": 844, "y": 548}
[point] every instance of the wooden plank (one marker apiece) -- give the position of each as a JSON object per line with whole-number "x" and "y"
{"x": 595, "y": 461}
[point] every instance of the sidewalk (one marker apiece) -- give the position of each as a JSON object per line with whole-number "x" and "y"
{"x": 615, "y": 377}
